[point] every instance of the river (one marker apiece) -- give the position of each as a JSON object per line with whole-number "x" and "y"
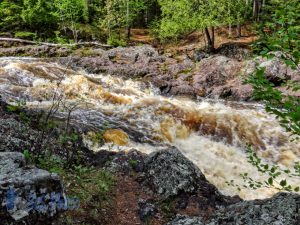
{"x": 211, "y": 133}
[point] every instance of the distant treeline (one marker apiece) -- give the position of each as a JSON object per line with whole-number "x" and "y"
{"x": 112, "y": 20}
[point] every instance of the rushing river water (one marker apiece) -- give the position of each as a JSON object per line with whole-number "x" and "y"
{"x": 212, "y": 134}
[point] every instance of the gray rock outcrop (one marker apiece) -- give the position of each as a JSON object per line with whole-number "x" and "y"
{"x": 169, "y": 173}
{"x": 281, "y": 209}
{"x": 27, "y": 193}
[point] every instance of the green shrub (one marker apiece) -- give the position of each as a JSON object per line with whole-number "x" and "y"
{"x": 26, "y": 35}
{"x": 113, "y": 40}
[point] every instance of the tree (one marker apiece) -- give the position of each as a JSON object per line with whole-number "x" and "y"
{"x": 10, "y": 12}
{"x": 236, "y": 12}
{"x": 180, "y": 17}
{"x": 40, "y": 15}
{"x": 121, "y": 14}
{"x": 70, "y": 13}
{"x": 96, "y": 11}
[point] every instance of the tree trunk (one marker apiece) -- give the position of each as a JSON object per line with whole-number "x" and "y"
{"x": 128, "y": 32}
{"x": 213, "y": 38}
{"x": 128, "y": 25}
{"x": 239, "y": 30}
{"x": 257, "y": 5}
{"x": 210, "y": 40}
{"x": 229, "y": 31}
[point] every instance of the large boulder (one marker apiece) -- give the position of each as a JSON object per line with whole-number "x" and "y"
{"x": 27, "y": 193}
{"x": 169, "y": 173}
{"x": 281, "y": 209}
{"x": 239, "y": 51}
{"x": 215, "y": 71}
{"x": 220, "y": 77}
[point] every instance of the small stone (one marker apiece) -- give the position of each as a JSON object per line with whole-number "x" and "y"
{"x": 186, "y": 220}
{"x": 146, "y": 210}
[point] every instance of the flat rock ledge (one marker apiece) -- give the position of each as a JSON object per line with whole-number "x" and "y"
{"x": 27, "y": 193}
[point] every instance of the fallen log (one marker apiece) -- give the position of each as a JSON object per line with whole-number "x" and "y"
{"x": 79, "y": 44}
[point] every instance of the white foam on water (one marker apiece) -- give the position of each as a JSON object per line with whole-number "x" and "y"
{"x": 211, "y": 133}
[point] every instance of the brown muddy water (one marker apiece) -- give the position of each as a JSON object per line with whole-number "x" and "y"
{"x": 211, "y": 133}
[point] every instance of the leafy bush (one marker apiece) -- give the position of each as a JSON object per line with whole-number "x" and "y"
{"x": 113, "y": 40}
{"x": 274, "y": 172}
{"x": 280, "y": 32}
{"x": 10, "y": 15}
{"x": 278, "y": 178}
{"x": 26, "y": 35}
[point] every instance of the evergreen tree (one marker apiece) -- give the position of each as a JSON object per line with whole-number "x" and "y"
{"x": 39, "y": 15}
{"x": 70, "y": 13}
{"x": 10, "y": 12}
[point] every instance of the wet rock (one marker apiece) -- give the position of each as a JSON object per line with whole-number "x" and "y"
{"x": 183, "y": 90}
{"x": 146, "y": 210}
{"x": 241, "y": 91}
{"x": 127, "y": 62}
{"x": 181, "y": 67}
{"x": 170, "y": 173}
{"x": 220, "y": 77}
{"x": 138, "y": 53}
{"x": 276, "y": 71}
{"x": 101, "y": 158}
{"x": 35, "y": 51}
{"x": 25, "y": 192}
{"x": 186, "y": 220}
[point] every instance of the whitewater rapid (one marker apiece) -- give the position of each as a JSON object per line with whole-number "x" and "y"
{"x": 211, "y": 133}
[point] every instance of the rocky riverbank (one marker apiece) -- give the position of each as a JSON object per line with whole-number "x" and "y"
{"x": 161, "y": 188}
{"x": 46, "y": 151}
{"x": 194, "y": 74}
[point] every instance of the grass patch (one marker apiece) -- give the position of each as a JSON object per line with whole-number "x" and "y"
{"x": 168, "y": 208}
{"x": 94, "y": 187}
